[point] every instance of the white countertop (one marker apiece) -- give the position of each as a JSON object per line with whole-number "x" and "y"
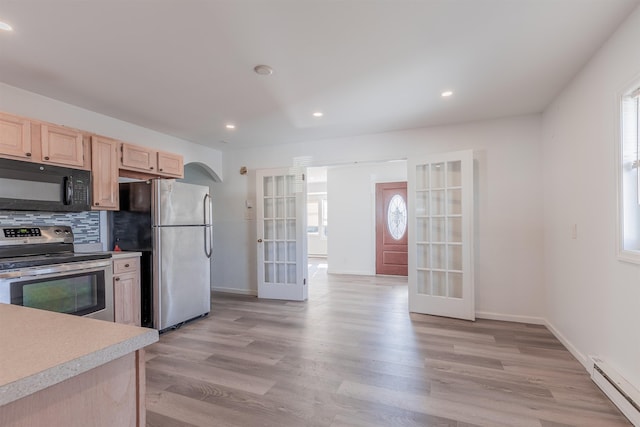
{"x": 41, "y": 348}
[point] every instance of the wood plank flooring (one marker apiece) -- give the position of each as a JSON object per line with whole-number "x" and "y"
{"x": 353, "y": 356}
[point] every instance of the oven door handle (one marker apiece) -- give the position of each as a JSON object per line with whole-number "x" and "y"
{"x": 68, "y": 268}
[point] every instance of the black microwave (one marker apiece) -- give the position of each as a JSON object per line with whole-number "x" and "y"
{"x": 37, "y": 187}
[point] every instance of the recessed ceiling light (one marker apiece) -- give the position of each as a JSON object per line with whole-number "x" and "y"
{"x": 5, "y": 27}
{"x": 446, "y": 93}
{"x": 263, "y": 70}
{"x": 318, "y": 114}
{"x": 230, "y": 126}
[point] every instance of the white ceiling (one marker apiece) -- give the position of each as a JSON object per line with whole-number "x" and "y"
{"x": 185, "y": 67}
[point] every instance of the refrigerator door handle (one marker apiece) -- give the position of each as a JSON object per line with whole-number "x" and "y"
{"x": 207, "y": 229}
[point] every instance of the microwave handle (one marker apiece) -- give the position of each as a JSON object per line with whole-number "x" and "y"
{"x": 68, "y": 190}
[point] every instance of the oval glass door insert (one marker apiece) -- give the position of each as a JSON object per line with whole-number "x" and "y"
{"x": 397, "y": 217}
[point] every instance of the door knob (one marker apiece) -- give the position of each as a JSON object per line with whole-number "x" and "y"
{"x": 259, "y": 240}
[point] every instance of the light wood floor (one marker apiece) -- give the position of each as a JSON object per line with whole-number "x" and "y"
{"x": 353, "y": 356}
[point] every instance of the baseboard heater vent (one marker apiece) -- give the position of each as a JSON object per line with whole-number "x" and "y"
{"x": 624, "y": 395}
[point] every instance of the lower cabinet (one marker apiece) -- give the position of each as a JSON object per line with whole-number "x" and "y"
{"x": 126, "y": 289}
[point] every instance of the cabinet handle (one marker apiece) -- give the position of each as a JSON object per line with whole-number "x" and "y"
{"x": 126, "y": 266}
{"x": 151, "y": 168}
{"x": 97, "y": 204}
{"x": 117, "y": 279}
{"x": 28, "y": 154}
{"x": 160, "y": 169}
{"x": 46, "y": 158}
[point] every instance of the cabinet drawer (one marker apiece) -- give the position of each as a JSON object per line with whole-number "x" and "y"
{"x": 125, "y": 265}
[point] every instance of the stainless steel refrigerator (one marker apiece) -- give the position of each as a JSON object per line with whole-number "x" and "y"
{"x": 170, "y": 223}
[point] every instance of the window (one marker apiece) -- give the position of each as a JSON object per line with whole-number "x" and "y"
{"x": 629, "y": 177}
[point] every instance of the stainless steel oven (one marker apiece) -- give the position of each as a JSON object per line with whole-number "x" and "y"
{"x": 38, "y": 269}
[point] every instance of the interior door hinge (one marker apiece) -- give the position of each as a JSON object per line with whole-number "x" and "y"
{"x": 304, "y": 281}
{"x": 303, "y": 177}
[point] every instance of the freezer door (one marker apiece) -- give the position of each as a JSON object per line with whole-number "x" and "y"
{"x": 177, "y": 203}
{"x": 182, "y": 274}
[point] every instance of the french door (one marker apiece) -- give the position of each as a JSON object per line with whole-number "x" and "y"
{"x": 440, "y": 192}
{"x": 281, "y": 235}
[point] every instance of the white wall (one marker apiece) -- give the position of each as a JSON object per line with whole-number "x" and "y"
{"x": 508, "y": 205}
{"x": 352, "y": 220}
{"x": 592, "y": 298}
{"x": 28, "y": 104}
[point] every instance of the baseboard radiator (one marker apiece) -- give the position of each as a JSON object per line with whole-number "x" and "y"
{"x": 624, "y": 395}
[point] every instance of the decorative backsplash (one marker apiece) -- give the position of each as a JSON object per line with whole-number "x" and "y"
{"x": 85, "y": 225}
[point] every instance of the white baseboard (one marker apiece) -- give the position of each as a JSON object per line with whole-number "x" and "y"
{"x": 511, "y": 318}
{"x": 588, "y": 365}
{"x": 351, "y": 273}
{"x": 236, "y": 291}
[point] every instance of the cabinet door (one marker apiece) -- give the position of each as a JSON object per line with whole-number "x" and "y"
{"x": 104, "y": 172}
{"x": 170, "y": 164}
{"x": 126, "y": 290}
{"x": 138, "y": 158}
{"x": 62, "y": 146}
{"x": 15, "y": 137}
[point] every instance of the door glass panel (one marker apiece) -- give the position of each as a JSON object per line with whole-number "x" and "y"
{"x": 437, "y": 202}
{"x": 454, "y": 174}
{"x": 422, "y": 229}
{"x": 455, "y": 285}
{"x": 279, "y": 186}
{"x": 291, "y": 207}
{"x": 280, "y": 208}
{"x": 439, "y": 285}
{"x": 437, "y": 175}
{"x": 268, "y": 186}
{"x": 291, "y": 229}
{"x": 268, "y": 229}
{"x": 280, "y": 251}
{"x": 422, "y": 203}
{"x": 269, "y": 273}
{"x": 268, "y": 208}
{"x": 291, "y": 251}
{"x": 423, "y": 257}
{"x": 280, "y": 273}
{"x": 438, "y": 256}
{"x": 454, "y": 201}
{"x": 438, "y": 229}
{"x": 280, "y": 229}
{"x": 268, "y": 251}
{"x": 454, "y": 230}
{"x": 422, "y": 177}
{"x": 454, "y": 257}
{"x": 424, "y": 286}
{"x": 291, "y": 273}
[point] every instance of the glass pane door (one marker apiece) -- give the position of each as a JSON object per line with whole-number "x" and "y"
{"x": 281, "y": 237}
{"x": 440, "y": 276}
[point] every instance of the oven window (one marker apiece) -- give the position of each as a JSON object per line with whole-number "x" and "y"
{"x": 78, "y": 294}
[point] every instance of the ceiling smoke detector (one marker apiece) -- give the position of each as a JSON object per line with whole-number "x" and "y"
{"x": 263, "y": 70}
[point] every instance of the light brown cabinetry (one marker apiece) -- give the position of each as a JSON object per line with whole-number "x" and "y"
{"x": 104, "y": 173}
{"x": 147, "y": 160}
{"x": 15, "y": 137}
{"x": 170, "y": 164}
{"x": 126, "y": 290}
{"x": 62, "y": 146}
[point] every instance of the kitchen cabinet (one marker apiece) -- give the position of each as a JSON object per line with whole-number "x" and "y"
{"x": 62, "y": 146}
{"x": 126, "y": 289}
{"x": 104, "y": 173}
{"x": 170, "y": 164}
{"x": 15, "y": 137}
{"x": 139, "y": 159}
{"x": 149, "y": 161}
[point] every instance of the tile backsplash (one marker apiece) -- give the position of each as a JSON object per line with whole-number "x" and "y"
{"x": 85, "y": 225}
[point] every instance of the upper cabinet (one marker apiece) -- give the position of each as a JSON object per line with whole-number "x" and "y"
{"x": 151, "y": 162}
{"x": 62, "y": 146}
{"x": 34, "y": 141}
{"x": 170, "y": 164}
{"x": 104, "y": 173}
{"x": 15, "y": 137}
{"x": 140, "y": 159}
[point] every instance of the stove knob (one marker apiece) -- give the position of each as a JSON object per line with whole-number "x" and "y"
{"x": 58, "y": 231}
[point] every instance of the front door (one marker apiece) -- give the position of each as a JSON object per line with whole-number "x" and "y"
{"x": 282, "y": 235}
{"x": 391, "y": 228}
